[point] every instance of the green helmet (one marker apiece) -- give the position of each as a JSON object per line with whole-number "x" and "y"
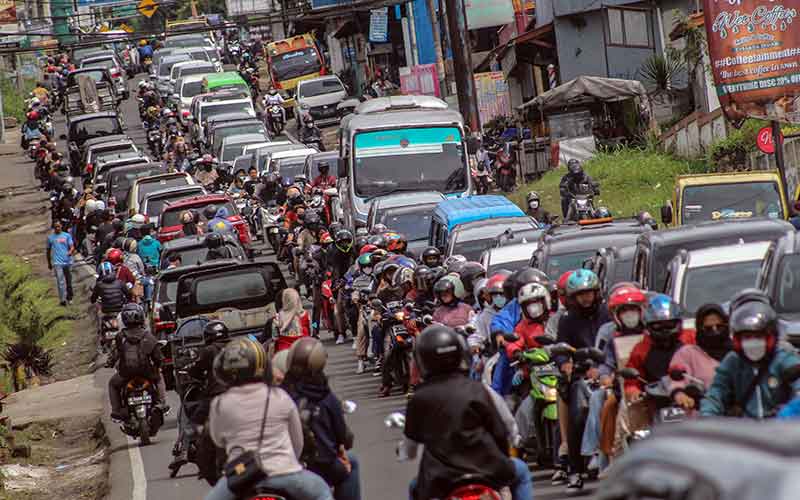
{"x": 365, "y": 260}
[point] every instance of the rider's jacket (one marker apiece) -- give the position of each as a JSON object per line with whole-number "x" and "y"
{"x": 579, "y": 329}
{"x": 112, "y": 292}
{"x": 734, "y": 377}
{"x": 270, "y": 99}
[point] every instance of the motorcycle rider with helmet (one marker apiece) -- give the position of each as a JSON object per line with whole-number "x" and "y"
{"x": 470, "y": 273}
{"x": 572, "y": 183}
{"x": 466, "y": 436}
{"x": 217, "y": 249}
{"x": 113, "y": 293}
{"x": 535, "y": 209}
{"x": 754, "y": 379}
{"x": 215, "y": 336}
{"x": 451, "y": 310}
{"x": 309, "y": 129}
{"x": 324, "y": 180}
{"x": 323, "y": 416}
{"x": 256, "y": 416}
{"x": 338, "y": 259}
{"x": 139, "y": 355}
{"x": 273, "y": 98}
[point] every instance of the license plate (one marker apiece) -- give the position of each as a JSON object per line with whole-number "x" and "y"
{"x": 273, "y": 230}
{"x": 139, "y": 400}
{"x": 399, "y": 330}
{"x": 111, "y": 335}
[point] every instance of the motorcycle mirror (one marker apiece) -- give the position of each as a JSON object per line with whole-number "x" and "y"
{"x": 677, "y": 374}
{"x": 510, "y": 337}
{"x": 395, "y": 420}
{"x": 561, "y": 349}
{"x": 376, "y": 303}
{"x": 544, "y": 340}
{"x": 349, "y": 406}
{"x": 629, "y": 373}
{"x": 470, "y": 329}
{"x": 427, "y": 320}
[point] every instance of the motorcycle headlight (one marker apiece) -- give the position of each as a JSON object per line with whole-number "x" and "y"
{"x": 550, "y": 393}
{"x": 399, "y": 315}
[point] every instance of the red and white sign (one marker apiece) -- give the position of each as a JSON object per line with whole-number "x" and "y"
{"x": 765, "y": 142}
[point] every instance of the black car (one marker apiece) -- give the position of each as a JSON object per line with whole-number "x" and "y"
{"x": 193, "y": 250}
{"x": 569, "y": 246}
{"x": 654, "y": 250}
{"x": 613, "y": 265}
{"x": 90, "y": 126}
{"x": 780, "y": 279}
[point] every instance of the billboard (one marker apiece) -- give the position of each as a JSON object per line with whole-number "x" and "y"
{"x": 419, "y": 80}
{"x": 493, "y": 97}
{"x": 245, "y": 7}
{"x": 754, "y": 49}
{"x": 8, "y": 12}
{"x": 486, "y": 13}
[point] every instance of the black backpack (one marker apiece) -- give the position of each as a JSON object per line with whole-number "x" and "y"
{"x": 308, "y": 412}
{"x": 133, "y": 361}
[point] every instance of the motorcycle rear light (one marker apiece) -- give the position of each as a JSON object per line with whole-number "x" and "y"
{"x": 89, "y": 168}
{"x": 474, "y": 492}
{"x": 265, "y": 498}
{"x": 115, "y": 74}
{"x": 164, "y": 326}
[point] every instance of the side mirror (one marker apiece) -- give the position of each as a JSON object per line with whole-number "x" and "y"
{"x": 544, "y": 340}
{"x": 341, "y": 164}
{"x": 666, "y": 214}
{"x": 395, "y": 421}
{"x": 100, "y": 189}
{"x": 629, "y": 373}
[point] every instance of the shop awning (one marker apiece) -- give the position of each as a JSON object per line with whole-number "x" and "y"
{"x": 587, "y": 87}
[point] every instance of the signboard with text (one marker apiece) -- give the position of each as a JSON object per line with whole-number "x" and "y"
{"x": 8, "y": 12}
{"x": 379, "y": 25}
{"x": 754, "y": 48}
{"x": 419, "y": 80}
{"x": 486, "y": 13}
{"x": 493, "y": 97}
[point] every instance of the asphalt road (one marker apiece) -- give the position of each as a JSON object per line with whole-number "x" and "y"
{"x": 141, "y": 473}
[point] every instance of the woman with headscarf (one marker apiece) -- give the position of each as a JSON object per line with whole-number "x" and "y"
{"x": 189, "y": 224}
{"x": 700, "y": 360}
{"x": 292, "y": 322}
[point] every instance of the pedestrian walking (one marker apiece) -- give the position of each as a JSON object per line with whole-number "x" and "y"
{"x": 60, "y": 248}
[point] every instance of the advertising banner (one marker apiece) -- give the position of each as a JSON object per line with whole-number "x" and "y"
{"x": 379, "y": 25}
{"x": 754, "y": 48}
{"x": 8, "y": 12}
{"x": 486, "y": 13}
{"x": 493, "y": 96}
{"x": 419, "y": 80}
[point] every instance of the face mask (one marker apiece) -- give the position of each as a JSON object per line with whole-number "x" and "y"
{"x": 242, "y": 179}
{"x": 367, "y": 270}
{"x": 630, "y": 319}
{"x": 754, "y": 349}
{"x": 207, "y": 168}
{"x": 535, "y": 310}
{"x": 533, "y": 205}
{"x": 499, "y": 301}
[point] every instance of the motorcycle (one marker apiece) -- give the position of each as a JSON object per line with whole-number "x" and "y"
{"x": 154, "y": 140}
{"x": 270, "y": 225}
{"x": 393, "y": 315}
{"x": 275, "y": 121}
{"x": 581, "y": 207}
{"x": 504, "y": 166}
{"x": 481, "y": 178}
{"x": 144, "y": 417}
{"x": 147, "y": 64}
{"x": 312, "y": 137}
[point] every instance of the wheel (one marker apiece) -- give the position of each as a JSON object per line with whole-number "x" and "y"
{"x": 144, "y": 432}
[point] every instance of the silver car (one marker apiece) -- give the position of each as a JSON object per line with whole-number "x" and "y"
{"x": 112, "y": 64}
{"x": 319, "y": 97}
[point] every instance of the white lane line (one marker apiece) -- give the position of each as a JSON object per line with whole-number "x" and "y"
{"x": 137, "y": 470}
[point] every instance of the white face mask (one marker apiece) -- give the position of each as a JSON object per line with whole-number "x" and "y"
{"x": 367, "y": 270}
{"x": 754, "y": 349}
{"x": 630, "y": 319}
{"x": 533, "y": 205}
{"x": 535, "y": 310}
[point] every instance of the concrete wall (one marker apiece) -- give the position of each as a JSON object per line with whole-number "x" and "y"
{"x": 692, "y": 136}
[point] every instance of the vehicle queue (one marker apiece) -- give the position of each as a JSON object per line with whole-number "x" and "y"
{"x": 530, "y": 342}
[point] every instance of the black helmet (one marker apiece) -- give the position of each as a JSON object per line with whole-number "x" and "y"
{"x": 307, "y": 357}
{"x": 215, "y": 331}
{"x": 423, "y": 278}
{"x": 323, "y": 165}
{"x": 444, "y": 285}
{"x": 241, "y": 361}
{"x": 431, "y": 257}
{"x": 470, "y": 273}
{"x": 343, "y": 238}
{"x": 753, "y": 316}
{"x": 510, "y": 285}
{"x": 528, "y": 275}
{"x": 334, "y": 227}
{"x": 360, "y": 242}
{"x": 378, "y": 240}
{"x": 439, "y": 351}
{"x": 271, "y": 179}
{"x": 132, "y": 315}
{"x": 311, "y": 219}
{"x": 210, "y": 212}
{"x": 574, "y": 167}
{"x": 214, "y": 240}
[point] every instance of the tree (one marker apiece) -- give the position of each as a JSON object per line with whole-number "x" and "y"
{"x": 693, "y": 51}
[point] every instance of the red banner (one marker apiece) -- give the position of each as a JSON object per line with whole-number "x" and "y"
{"x": 8, "y": 12}
{"x": 754, "y": 47}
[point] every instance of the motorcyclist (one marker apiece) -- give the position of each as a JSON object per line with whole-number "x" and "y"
{"x": 751, "y": 381}
{"x": 576, "y": 181}
{"x": 215, "y": 336}
{"x": 113, "y": 293}
{"x": 254, "y": 415}
{"x": 217, "y": 249}
{"x": 467, "y": 435}
{"x": 206, "y": 175}
{"x": 272, "y": 98}
{"x": 270, "y": 192}
{"x": 149, "y": 250}
{"x": 534, "y": 300}
{"x": 145, "y": 51}
{"x": 535, "y": 209}
{"x": 139, "y": 355}
{"x": 470, "y": 273}
{"x": 309, "y": 129}
{"x": 451, "y": 311}
{"x": 323, "y": 416}
{"x": 324, "y": 180}
{"x": 496, "y": 301}
{"x": 585, "y": 313}
{"x": 338, "y": 259}
{"x": 116, "y": 256}
{"x": 431, "y": 257}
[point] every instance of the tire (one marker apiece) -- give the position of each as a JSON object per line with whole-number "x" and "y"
{"x": 144, "y": 432}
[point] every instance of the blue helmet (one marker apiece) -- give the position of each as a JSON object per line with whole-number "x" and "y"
{"x": 106, "y": 269}
{"x": 582, "y": 280}
{"x": 662, "y": 318}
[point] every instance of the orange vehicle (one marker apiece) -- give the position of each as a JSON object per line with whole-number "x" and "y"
{"x": 292, "y": 60}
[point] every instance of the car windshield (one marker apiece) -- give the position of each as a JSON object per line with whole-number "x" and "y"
{"x": 247, "y": 128}
{"x": 156, "y": 205}
{"x": 717, "y": 284}
{"x": 173, "y": 217}
{"x": 266, "y": 154}
{"x": 100, "y": 63}
{"x": 148, "y": 187}
{"x": 230, "y": 288}
{"x": 788, "y": 299}
{"x": 96, "y": 127}
{"x": 193, "y": 256}
{"x": 410, "y": 159}
{"x": 191, "y": 89}
{"x": 214, "y": 109}
{"x": 313, "y": 88}
{"x": 231, "y": 151}
{"x": 514, "y": 265}
{"x": 97, "y": 76}
{"x": 168, "y": 292}
{"x": 289, "y": 169}
{"x": 559, "y": 264}
{"x": 413, "y": 224}
{"x": 198, "y": 69}
{"x": 296, "y": 63}
{"x": 96, "y": 155}
{"x": 165, "y": 67}
{"x": 121, "y": 182}
{"x": 742, "y": 200}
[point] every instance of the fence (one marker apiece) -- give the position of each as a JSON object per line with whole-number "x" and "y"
{"x": 692, "y": 136}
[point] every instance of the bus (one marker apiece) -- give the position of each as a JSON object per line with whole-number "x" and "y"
{"x": 291, "y": 60}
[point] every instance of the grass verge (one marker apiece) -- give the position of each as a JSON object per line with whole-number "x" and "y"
{"x": 13, "y": 98}
{"x": 631, "y": 180}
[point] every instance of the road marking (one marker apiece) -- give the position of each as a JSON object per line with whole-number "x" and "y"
{"x": 137, "y": 471}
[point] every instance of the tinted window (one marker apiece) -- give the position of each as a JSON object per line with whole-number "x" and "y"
{"x": 717, "y": 284}
{"x": 155, "y": 206}
{"x": 788, "y": 299}
{"x": 100, "y": 63}
{"x": 289, "y": 169}
{"x": 731, "y": 201}
{"x": 230, "y": 288}
{"x": 219, "y": 109}
{"x": 413, "y": 225}
{"x": 623, "y": 271}
{"x": 559, "y": 264}
{"x": 196, "y": 70}
{"x": 191, "y": 89}
{"x": 197, "y": 255}
{"x": 165, "y": 67}
{"x": 96, "y": 127}
{"x": 173, "y": 217}
{"x": 149, "y": 187}
{"x": 294, "y": 64}
{"x": 319, "y": 87}
{"x": 247, "y": 128}
{"x": 508, "y": 266}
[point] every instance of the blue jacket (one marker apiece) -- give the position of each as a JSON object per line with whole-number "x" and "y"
{"x": 149, "y": 250}
{"x": 145, "y": 51}
{"x": 504, "y": 321}
{"x": 734, "y": 376}
{"x": 507, "y": 318}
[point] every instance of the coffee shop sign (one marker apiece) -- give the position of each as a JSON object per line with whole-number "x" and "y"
{"x": 774, "y": 18}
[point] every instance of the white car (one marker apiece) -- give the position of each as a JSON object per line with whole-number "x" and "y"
{"x": 185, "y": 89}
{"x": 320, "y": 97}
{"x": 187, "y": 68}
{"x": 508, "y": 257}
{"x": 713, "y": 275}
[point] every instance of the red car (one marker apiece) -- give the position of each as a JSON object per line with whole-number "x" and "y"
{"x": 170, "y": 222}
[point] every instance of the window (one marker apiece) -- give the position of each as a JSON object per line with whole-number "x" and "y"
{"x": 628, "y": 27}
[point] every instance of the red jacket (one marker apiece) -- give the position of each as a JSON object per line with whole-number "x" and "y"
{"x": 125, "y": 275}
{"x": 286, "y": 341}
{"x": 639, "y": 355}
{"x": 324, "y": 182}
{"x": 527, "y": 331}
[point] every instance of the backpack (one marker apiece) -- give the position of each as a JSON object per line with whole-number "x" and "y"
{"x": 308, "y": 411}
{"x": 132, "y": 360}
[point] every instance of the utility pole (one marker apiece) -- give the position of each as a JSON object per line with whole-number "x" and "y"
{"x": 462, "y": 63}
{"x": 437, "y": 47}
{"x": 779, "y": 161}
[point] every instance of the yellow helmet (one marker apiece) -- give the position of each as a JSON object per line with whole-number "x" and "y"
{"x": 142, "y": 43}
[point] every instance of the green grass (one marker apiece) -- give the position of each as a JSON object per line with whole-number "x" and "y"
{"x": 631, "y": 180}
{"x": 13, "y": 99}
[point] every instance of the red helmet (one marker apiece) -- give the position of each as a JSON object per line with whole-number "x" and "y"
{"x": 115, "y": 256}
{"x": 33, "y": 115}
{"x": 562, "y": 286}
{"x": 624, "y": 294}
{"x": 367, "y": 249}
{"x": 495, "y": 283}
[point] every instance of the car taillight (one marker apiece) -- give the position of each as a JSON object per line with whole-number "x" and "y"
{"x": 164, "y": 326}
{"x": 277, "y": 85}
{"x": 89, "y": 168}
{"x": 323, "y": 71}
{"x": 163, "y": 237}
{"x": 115, "y": 74}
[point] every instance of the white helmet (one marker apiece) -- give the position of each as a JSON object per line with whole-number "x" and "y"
{"x": 99, "y": 205}
{"x": 142, "y": 84}
{"x": 91, "y": 206}
{"x": 35, "y": 101}
{"x": 138, "y": 219}
{"x": 166, "y": 112}
{"x": 532, "y": 292}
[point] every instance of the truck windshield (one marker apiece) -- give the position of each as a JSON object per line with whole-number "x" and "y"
{"x": 741, "y": 200}
{"x": 409, "y": 159}
{"x": 294, "y": 64}
{"x": 717, "y": 284}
